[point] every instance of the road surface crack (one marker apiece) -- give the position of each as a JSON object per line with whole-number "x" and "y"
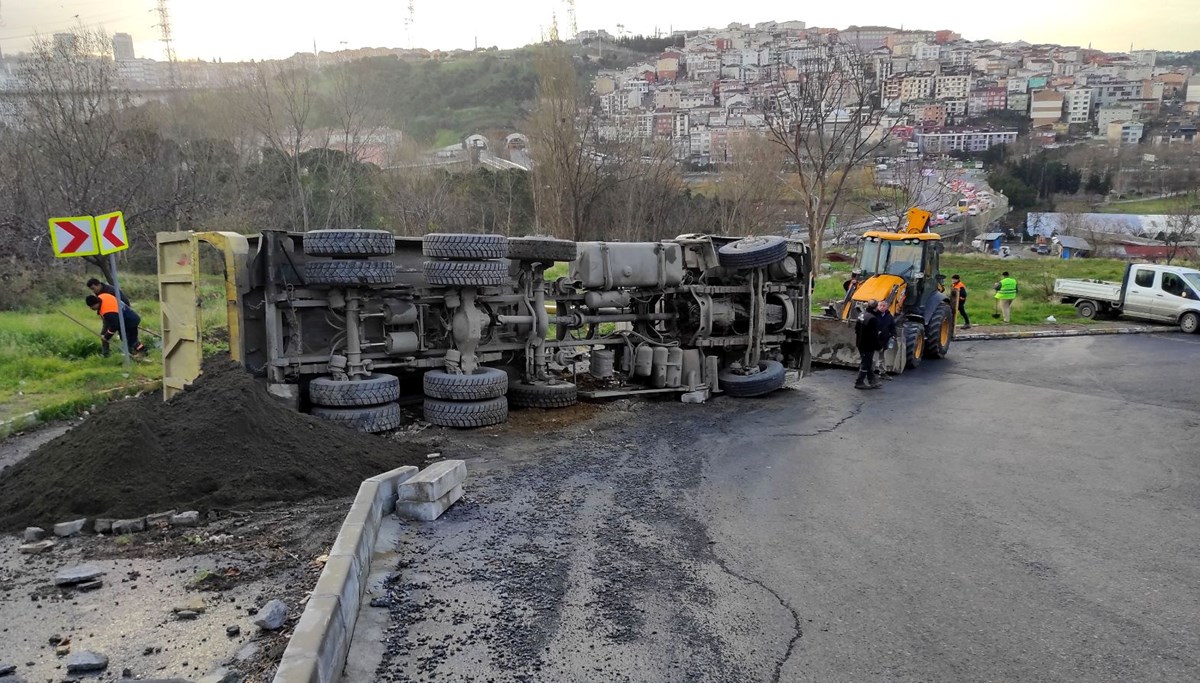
{"x": 797, "y": 630}
{"x": 854, "y": 412}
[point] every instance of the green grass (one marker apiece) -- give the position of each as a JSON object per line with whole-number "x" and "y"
{"x": 52, "y": 366}
{"x": 1035, "y": 278}
{"x": 1158, "y": 205}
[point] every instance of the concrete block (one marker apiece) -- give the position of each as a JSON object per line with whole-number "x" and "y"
{"x": 695, "y": 396}
{"x": 103, "y": 526}
{"x": 297, "y": 669}
{"x": 388, "y": 481}
{"x": 160, "y": 518}
{"x": 342, "y": 578}
{"x": 428, "y": 511}
{"x": 287, "y": 394}
{"x": 129, "y": 526}
{"x": 433, "y": 482}
{"x": 189, "y": 518}
{"x": 34, "y": 534}
{"x": 64, "y": 529}
{"x": 320, "y": 635}
{"x": 357, "y": 541}
{"x": 364, "y": 510}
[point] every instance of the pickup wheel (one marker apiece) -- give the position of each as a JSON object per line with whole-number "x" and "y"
{"x": 914, "y": 345}
{"x": 1189, "y": 322}
{"x": 1086, "y": 309}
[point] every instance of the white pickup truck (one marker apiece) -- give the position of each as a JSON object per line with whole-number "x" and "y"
{"x": 1168, "y": 294}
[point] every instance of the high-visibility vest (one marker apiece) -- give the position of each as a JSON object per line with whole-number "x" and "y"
{"x": 108, "y": 304}
{"x": 962, "y": 290}
{"x": 1008, "y": 289}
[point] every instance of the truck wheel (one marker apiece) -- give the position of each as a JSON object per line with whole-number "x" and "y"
{"x": 349, "y": 273}
{"x": 541, "y": 249}
{"x": 464, "y": 246}
{"x": 770, "y": 376}
{"x": 753, "y": 252}
{"x": 482, "y": 384}
{"x": 1189, "y": 322}
{"x": 914, "y": 345}
{"x": 372, "y": 391}
{"x": 349, "y": 243}
{"x": 1086, "y": 309}
{"x": 941, "y": 332}
{"x": 543, "y": 395}
{"x": 371, "y": 419}
{"x": 466, "y": 414}
{"x": 466, "y": 273}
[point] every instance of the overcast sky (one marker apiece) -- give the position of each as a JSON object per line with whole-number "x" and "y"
{"x": 243, "y": 29}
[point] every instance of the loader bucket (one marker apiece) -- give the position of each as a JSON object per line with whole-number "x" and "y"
{"x": 833, "y": 343}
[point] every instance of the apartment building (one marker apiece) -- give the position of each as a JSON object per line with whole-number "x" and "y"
{"x": 963, "y": 140}
{"x": 1078, "y": 103}
{"x": 916, "y": 86}
{"x": 983, "y": 100}
{"x": 1046, "y": 108}
{"x": 1125, "y": 132}
{"x": 952, "y": 86}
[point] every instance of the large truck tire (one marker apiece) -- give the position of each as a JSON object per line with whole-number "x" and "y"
{"x": 466, "y": 414}
{"x": 464, "y": 246}
{"x": 340, "y": 393}
{"x": 371, "y": 419}
{"x": 349, "y": 243}
{"x": 543, "y": 395}
{"x": 940, "y": 332}
{"x": 466, "y": 273}
{"x": 753, "y": 252}
{"x": 914, "y": 345}
{"x": 770, "y": 376}
{"x": 541, "y": 249}
{"x": 349, "y": 273}
{"x": 482, "y": 384}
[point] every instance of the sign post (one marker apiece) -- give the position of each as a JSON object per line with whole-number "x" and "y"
{"x": 113, "y": 238}
{"x": 91, "y": 236}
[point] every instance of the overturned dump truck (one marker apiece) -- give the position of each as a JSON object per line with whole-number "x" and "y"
{"x": 346, "y": 323}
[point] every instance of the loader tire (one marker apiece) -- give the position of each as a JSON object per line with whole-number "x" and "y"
{"x": 753, "y": 252}
{"x": 543, "y": 395}
{"x": 466, "y": 273}
{"x": 372, "y": 391}
{"x": 349, "y": 273}
{"x": 940, "y": 332}
{"x": 482, "y": 384}
{"x": 914, "y": 345}
{"x": 466, "y": 414}
{"x": 770, "y": 376}
{"x": 370, "y": 419}
{"x": 349, "y": 243}
{"x": 462, "y": 246}
{"x": 541, "y": 249}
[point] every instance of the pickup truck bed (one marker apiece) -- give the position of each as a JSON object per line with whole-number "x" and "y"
{"x": 1096, "y": 290}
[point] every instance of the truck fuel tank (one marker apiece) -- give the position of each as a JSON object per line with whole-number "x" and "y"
{"x": 611, "y": 265}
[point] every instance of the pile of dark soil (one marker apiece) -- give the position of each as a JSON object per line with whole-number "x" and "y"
{"x": 222, "y": 444}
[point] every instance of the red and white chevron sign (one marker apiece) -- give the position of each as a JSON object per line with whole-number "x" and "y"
{"x": 74, "y": 236}
{"x": 111, "y": 229}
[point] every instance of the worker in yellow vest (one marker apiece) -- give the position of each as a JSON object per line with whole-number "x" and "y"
{"x": 1006, "y": 293}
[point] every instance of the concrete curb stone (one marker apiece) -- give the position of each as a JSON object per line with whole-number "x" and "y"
{"x": 1052, "y": 333}
{"x": 320, "y": 642}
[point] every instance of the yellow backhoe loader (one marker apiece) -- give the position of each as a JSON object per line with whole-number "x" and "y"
{"x": 902, "y": 269}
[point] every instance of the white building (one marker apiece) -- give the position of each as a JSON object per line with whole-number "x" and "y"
{"x": 1078, "y": 103}
{"x": 952, "y": 86}
{"x": 963, "y": 141}
{"x": 1125, "y": 132}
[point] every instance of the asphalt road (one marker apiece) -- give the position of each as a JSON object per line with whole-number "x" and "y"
{"x": 1025, "y": 510}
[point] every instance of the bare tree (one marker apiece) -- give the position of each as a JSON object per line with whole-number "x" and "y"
{"x": 1183, "y": 226}
{"x": 750, "y": 190}
{"x": 906, "y": 186}
{"x": 827, "y": 125}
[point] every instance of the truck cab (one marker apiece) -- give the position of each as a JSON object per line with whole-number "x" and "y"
{"x": 1165, "y": 293}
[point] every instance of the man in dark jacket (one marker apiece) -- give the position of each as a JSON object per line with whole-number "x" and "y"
{"x": 99, "y": 288}
{"x": 869, "y": 339}
{"x": 887, "y": 331}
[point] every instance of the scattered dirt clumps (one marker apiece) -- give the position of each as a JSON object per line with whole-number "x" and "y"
{"x": 224, "y": 443}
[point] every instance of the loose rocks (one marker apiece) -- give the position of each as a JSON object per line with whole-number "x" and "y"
{"x": 82, "y": 662}
{"x": 34, "y": 533}
{"x": 272, "y": 616}
{"x": 35, "y": 548}
{"x": 128, "y": 526}
{"x": 189, "y": 518}
{"x": 64, "y": 529}
{"x": 79, "y": 574}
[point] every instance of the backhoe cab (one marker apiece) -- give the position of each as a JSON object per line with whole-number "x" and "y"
{"x": 901, "y": 268}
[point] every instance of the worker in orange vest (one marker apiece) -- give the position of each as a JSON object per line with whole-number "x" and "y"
{"x": 105, "y": 305}
{"x": 957, "y": 284}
